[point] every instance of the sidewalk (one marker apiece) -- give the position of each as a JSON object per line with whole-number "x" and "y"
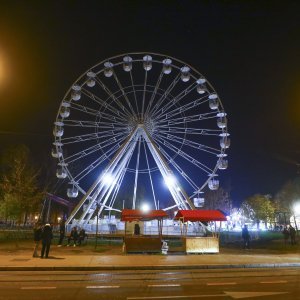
{"x": 58, "y": 260}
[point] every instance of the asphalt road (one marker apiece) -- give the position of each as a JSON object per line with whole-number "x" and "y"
{"x": 275, "y": 284}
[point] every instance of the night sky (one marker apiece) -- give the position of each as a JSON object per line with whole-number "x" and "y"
{"x": 248, "y": 50}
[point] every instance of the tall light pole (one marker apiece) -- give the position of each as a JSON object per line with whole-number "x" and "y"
{"x": 97, "y": 214}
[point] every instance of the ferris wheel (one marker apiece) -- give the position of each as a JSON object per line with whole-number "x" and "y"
{"x": 139, "y": 127}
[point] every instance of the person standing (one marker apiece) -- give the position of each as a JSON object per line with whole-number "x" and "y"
{"x": 37, "y": 233}
{"x": 246, "y": 237}
{"x": 82, "y": 236}
{"x": 286, "y": 235}
{"x": 47, "y": 236}
{"x": 62, "y": 232}
{"x": 292, "y": 235}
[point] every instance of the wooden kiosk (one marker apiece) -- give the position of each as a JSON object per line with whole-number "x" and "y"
{"x": 134, "y": 239}
{"x": 205, "y": 244}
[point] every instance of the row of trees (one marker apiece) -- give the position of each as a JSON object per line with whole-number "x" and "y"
{"x": 23, "y": 185}
{"x": 279, "y": 208}
{"x": 260, "y": 208}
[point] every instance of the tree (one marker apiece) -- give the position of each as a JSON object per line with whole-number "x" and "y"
{"x": 218, "y": 199}
{"x": 288, "y": 196}
{"x": 259, "y": 208}
{"x": 20, "y": 191}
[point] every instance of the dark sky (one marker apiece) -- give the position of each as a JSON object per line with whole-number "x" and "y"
{"x": 248, "y": 50}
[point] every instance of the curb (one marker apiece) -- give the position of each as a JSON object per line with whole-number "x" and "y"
{"x": 168, "y": 267}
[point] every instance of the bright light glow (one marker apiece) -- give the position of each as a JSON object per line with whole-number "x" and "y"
{"x": 145, "y": 207}
{"x": 36, "y": 217}
{"x": 170, "y": 180}
{"x": 108, "y": 179}
{"x": 58, "y": 219}
{"x": 297, "y": 209}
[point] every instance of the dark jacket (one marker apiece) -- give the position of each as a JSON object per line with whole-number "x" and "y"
{"x": 62, "y": 229}
{"x": 74, "y": 234}
{"x": 47, "y": 235}
{"x": 37, "y": 234}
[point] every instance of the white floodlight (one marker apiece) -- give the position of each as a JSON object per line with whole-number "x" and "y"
{"x": 170, "y": 181}
{"x": 145, "y": 207}
{"x": 108, "y": 179}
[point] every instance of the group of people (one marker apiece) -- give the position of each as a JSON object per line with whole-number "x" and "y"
{"x": 44, "y": 235}
{"x": 76, "y": 237}
{"x": 289, "y": 232}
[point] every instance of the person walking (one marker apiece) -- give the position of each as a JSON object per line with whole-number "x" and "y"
{"x": 246, "y": 237}
{"x": 62, "y": 232}
{"x": 47, "y": 236}
{"x": 37, "y": 234}
{"x": 292, "y": 231}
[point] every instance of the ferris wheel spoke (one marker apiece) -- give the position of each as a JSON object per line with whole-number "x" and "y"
{"x": 120, "y": 180}
{"x": 165, "y": 95}
{"x": 116, "y": 190}
{"x": 124, "y": 171}
{"x": 150, "y": 177}
{"x": 111, "y": 95}
{"x": 123, "y": 93}
{"x": 87, "y": 151}
{"x": 175, "y": 100}
{"x": 188, "y": 142}
{"x": 78, "y": 177}
{"x": 179, "y": 169}
{"x": 136, "y": 173}
{"x": 187, "y": 119}
{"x": 92, "y": 124}
{"x": 154, "y": 92}
{"x": 134, "y": 91}
{"x": 91, "y": 136}
{"x": 117, "y": 170}
{"x": 189, "y": 130}
{"x": 184, "y": 155}
{"x": 103, "y": 103}
{"x": 95, "y": 113}
{"x": 182, "y": 109}
{"x": 144, "y": 92}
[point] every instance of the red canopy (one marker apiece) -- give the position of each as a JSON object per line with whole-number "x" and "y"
{"x": 200, "y": 215}
{"x": 139, "y": 215}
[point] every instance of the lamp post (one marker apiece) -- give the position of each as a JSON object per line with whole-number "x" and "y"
{"x": 97, "y": 214}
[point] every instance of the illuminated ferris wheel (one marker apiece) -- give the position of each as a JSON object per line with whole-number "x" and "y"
{"x": 139, "y": 120}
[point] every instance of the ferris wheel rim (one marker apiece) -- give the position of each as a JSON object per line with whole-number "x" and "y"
{"x": 58, "y": 118}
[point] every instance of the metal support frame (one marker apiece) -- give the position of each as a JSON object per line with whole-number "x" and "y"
{"x": 99, "y": 192}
